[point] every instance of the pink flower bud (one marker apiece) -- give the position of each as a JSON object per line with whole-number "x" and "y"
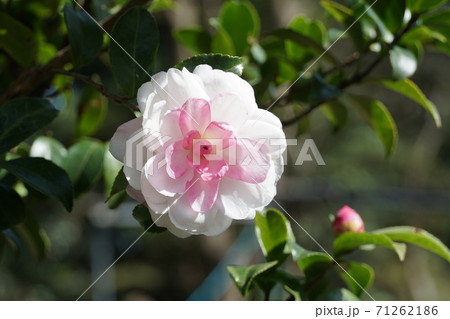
{"x": 347, "y": 220}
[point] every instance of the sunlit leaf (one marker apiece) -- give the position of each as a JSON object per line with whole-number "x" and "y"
{"x": 336, "y": 112}
{"x": 244, "y": 277}
{"x": 357, "y": 276}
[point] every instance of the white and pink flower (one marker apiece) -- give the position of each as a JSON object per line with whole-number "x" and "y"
{"x": 211, "y": 154}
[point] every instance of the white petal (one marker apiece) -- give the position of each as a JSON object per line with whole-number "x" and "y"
{"x": 156, "y": 173}
{"x": 220, "y": 82}
{"x": 133, "y": 176}
{"x": 117, "y": 147}
{"x": 158, "y": 86}
{"x": 228, "y": 108}
{"x": 155, "y": 200}
{"x": 183, "y": 85}
{"x": 164, "y": 221}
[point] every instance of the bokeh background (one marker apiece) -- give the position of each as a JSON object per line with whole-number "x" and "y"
{"x": 411, "y": 188}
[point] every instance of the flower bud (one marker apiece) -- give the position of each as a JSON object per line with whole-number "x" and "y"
{"x": 348, "y": 220}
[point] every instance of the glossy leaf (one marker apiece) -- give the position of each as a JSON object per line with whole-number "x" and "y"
{"x": 418, "y": 237}
{"x": 48, "y": 148}
{"x": 17, "y": 40}
{"x": 403, "y": 62}
{"x": 357, "y": 276}
{"x": 409, "y": 89}
{"x": 312, "y": 263}
{"x": 216, "y": 61}
{"x": 137, "y": 33}
{"x": 195, "y": 39}
{"x": 93, "y": 110}
{"x": 114, "y": 181}
{"x": 142, "y": 215}
{"x": 391, "y": 13}
{"x": 350, "y": 241}
{"x": 424, "y": 5}
{"x": 274, "y": 233}
{"x": 85, "y": 36}
{"x": 377, "y": 115}
{"x": 291, "y": 284}
{"x": 241, "y": 21}
{"x": 244, "y": 277}
{"x": 12, "y": 208}
{"x": 22, "y": 117}
{"x": 336, "y": 113}
{"x": 44, "y": 176}
{"x": 84, "y": 164}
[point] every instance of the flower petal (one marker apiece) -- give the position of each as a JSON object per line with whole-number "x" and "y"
{"x": 220, "y": 134}
{"x": 176, "y": 160}
{"x": 248, "y": 161}
{"x": 202, "y": 194}
{"x": 195, "y": 116}
{"x": 156, "y": 173}
{"x": 117, "y": 147}
{"x": 229, "y": 108}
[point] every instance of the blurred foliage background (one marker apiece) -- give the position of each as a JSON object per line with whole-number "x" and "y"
{"x": 411, "y": 187}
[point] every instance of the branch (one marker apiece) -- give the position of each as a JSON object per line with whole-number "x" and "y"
{"x": 100, "y": 88}
{"x": 35, "y": 80}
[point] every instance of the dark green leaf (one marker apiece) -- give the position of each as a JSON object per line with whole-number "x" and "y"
{"x": 391, "y": 13}
{"x": 357, "y": 276}
{"x": 306, "y": 43}
{"x": 17, "y": 40}
{"x": 241, "y": 22}
{"x": 93, "y": 111}
{"x": 437, "y": 18}
{"x": 137, "y": 33}
{"x": 22, "y": 117}
{"x": 44, "y": 176}
{"x": 336, "y": 112}
{"x": 216, "y": 61}
{"x": 115, "y": 181}
{"x": 349, "y": 241}
{"x": 85, "y": 36}
{"x": 403, "y": 62}
{"x": 291, "y": 284}
{"x": 409, "y": 89}
{"x": 312, "y": 263}
{"x": 377, "y": 115}
{"x": 274, "y": 233}
{"x": 84, "y": 164}
{"x": 338, "y": 295}
{"x": 48, "y": 148}
{"x": 195, "y": 39}
{"x": 142, "y": 215}
{"x": 418, "y": 237}
{"x": 12, "y": 209}
{"x": 244, "y": 277}
{"x": 33, "y": 236}
{"x": 418, "y": 6}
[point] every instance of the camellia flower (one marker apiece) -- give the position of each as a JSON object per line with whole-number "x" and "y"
{"x": 203, "y": 153}
{"x": 348, "y": 220}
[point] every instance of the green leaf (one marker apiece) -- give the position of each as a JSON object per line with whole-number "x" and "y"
{"x": 137, "y": 33}
{"x": 244, "y": 277}
{"x": 377, "y": 115}
{"x": 114, "y": 180}
{"x": 22, "y": 117}
{"x": 33, "y": 236}
{"x": 336, "y": 113}
{"x": 241, "y": 22}
{"x": 291, "y": 284}
{"x": 409, "y": 89}
{"x": 195, "y": 39}
{"x": 418, "y": 237}
{"x": 221, "y": 41}
{"x": 312, "y": 263}
{"x": 362, "y": 273}
{"x": 437, "y": 18}
{"x": 274, "y": 233}
{"x": 84, "y": 164}
{"x": 93, "y": 110}
{"x": 160, "y": 5}
{"x": 418, "y": 6}
{"x": 391, "y": 13}
{"x": 12, "y": 209}
{"x": 85, "y": 36}
{"x": 341, "y": 294}
{"x": 44, "y": 176}
{"x": 142, "y": 215}
{"x": 423, "y": 34}
{"x": 216, "y": 61}
{"x": 48, "y": 148}
{"x": 348, "y": 242}
{"x": 403, "y": 62}
{"x": 307, "y": 43}
{"x": 17, "y": 40}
